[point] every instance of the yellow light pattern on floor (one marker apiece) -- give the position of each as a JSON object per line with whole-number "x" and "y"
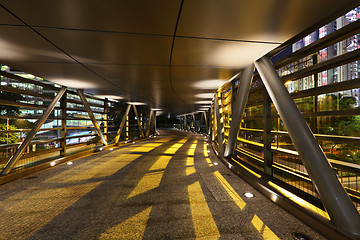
{"x": 191, "y": 151}
{"x": 263, "y": 229}
{"x": 189, "y": 161}
{"x": 151, "y": 180}
{"x": 237, "y": 199}
{"x": 36, "y": 212}
{"x": 105, "y": 169}
{"x": 300, "y": 201}
{"x": 132, "y": 228}
{"x": 146, "y": 147}
{"x": 164, "y": 140}
{"x": 190, "y": 170}
{"x": 204, "y": 224}
{"x": 173, "y": 148}
{"x": 205, "y": 150}
{"x": 147, "y": 183}
{"x": 161, "y": 163}
{"x": 208, "y": 160}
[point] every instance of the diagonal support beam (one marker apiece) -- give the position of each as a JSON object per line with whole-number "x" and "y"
{"x": 334, "y": 197}
{"x": 218, "y": 125}
{"x": 91, "y": 115}
{"x": 239, "y": 107}
{"x": 19, "y": 151}
{"x": 123, "y": 120}
{"x": 199, "y": 127}
{"x": 149, "y": 124}
{"x": 138, "y": 121}
{"x": 194, "y": 121}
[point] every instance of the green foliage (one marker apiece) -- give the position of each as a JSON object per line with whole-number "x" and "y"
{"x": 13, "y": 137}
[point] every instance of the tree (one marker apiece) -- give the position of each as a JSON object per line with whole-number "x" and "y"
{"x": 9, "y": 137}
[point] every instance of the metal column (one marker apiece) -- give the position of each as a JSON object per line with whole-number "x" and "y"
{"x": 14, "y": 158}
{"x": 334, "y": 197}
{"x": 212, "y": 120}
{"x": 239, "y": 106}
{"x": 149, "y": 124}
{"x": 218, "y": 125}
{"x": 206, "y": 123}
{"x": 118, "y": 134}
{"x": 194, "y": 121}
{"x": 268, "y": 159}
{"x": 63, "y": 106}
{"x": 138, "y": 121}
{"x": 91, "y": 115}
{"x": 199, "y": 127}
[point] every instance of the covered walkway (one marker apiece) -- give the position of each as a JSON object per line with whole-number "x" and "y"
{"x": 168, "y": 187}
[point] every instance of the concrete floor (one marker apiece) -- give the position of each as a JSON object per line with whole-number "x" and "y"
{"x": 168, "y": 187}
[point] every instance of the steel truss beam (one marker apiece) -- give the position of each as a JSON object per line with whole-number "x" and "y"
{"x": 206, "y": 122}
{"x": 91, "y": 115}
{"x": 19, "y": 151}
{"x": 334, "y": 197}
{"x": 218, "y": 125}
{"x": 239, "y": 107}
{"x": 149, "y": 124}
{"x": 138, "y": 121}
{"x": 194, "y": 121}
{"x": 123, "y": 120}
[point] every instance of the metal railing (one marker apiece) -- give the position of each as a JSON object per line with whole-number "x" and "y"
{"x": 68, "y": 128}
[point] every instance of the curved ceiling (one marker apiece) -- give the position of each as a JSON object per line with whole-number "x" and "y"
{"x": 172, "y": 55}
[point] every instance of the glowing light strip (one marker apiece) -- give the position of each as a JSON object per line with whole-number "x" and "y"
{"x": 300, "y": 201}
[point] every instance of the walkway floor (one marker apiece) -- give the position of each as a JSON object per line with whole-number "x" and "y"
{"x": 167, "y": 187}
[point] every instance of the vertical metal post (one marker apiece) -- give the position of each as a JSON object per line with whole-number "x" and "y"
{"x": 212, "y": 121}
{"x": 155, "y": 121}
{"x": 149, "y": 124}
{"x": 118, "y": 134}
{"x": 63, "y": 106}
{"x": 206, "y": 122}
{"x": 334, "y": 197}
{"x": 194, "y": 121}
{"x": 239, "y": 107}
{"x": 127, "y": 128}
{"x": 106, "y": 111}
{"x": 19, "y": 151}
{"x": 268, "y": 159}
{"x": 201, "y": 118}
{"x": 218, "y": 125}
{"x": 138, "y": 121}
{"x": 91, "y": 115}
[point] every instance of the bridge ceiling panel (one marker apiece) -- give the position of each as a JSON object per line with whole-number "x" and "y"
{"x": 123, "y": 48}
{"x": 255, "y": 20}
{"x": 113, "y": 48}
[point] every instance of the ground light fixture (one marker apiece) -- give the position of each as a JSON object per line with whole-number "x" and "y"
{"x": 52, "y": 164}
{"x": 69, "y": 163}
{"x": 215, "y": 163}
{"x": 111, "y": 149}
{"x": 249, "y": 195}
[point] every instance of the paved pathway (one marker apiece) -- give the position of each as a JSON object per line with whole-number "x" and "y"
{"x": 168, "y": 187}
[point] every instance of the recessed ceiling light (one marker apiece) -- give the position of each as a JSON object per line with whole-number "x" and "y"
{"x": 205, "y": 95}
{"x": 212, "y": 84}
{"x": 136, "y": 103}
{"x": 203, "y": 102}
